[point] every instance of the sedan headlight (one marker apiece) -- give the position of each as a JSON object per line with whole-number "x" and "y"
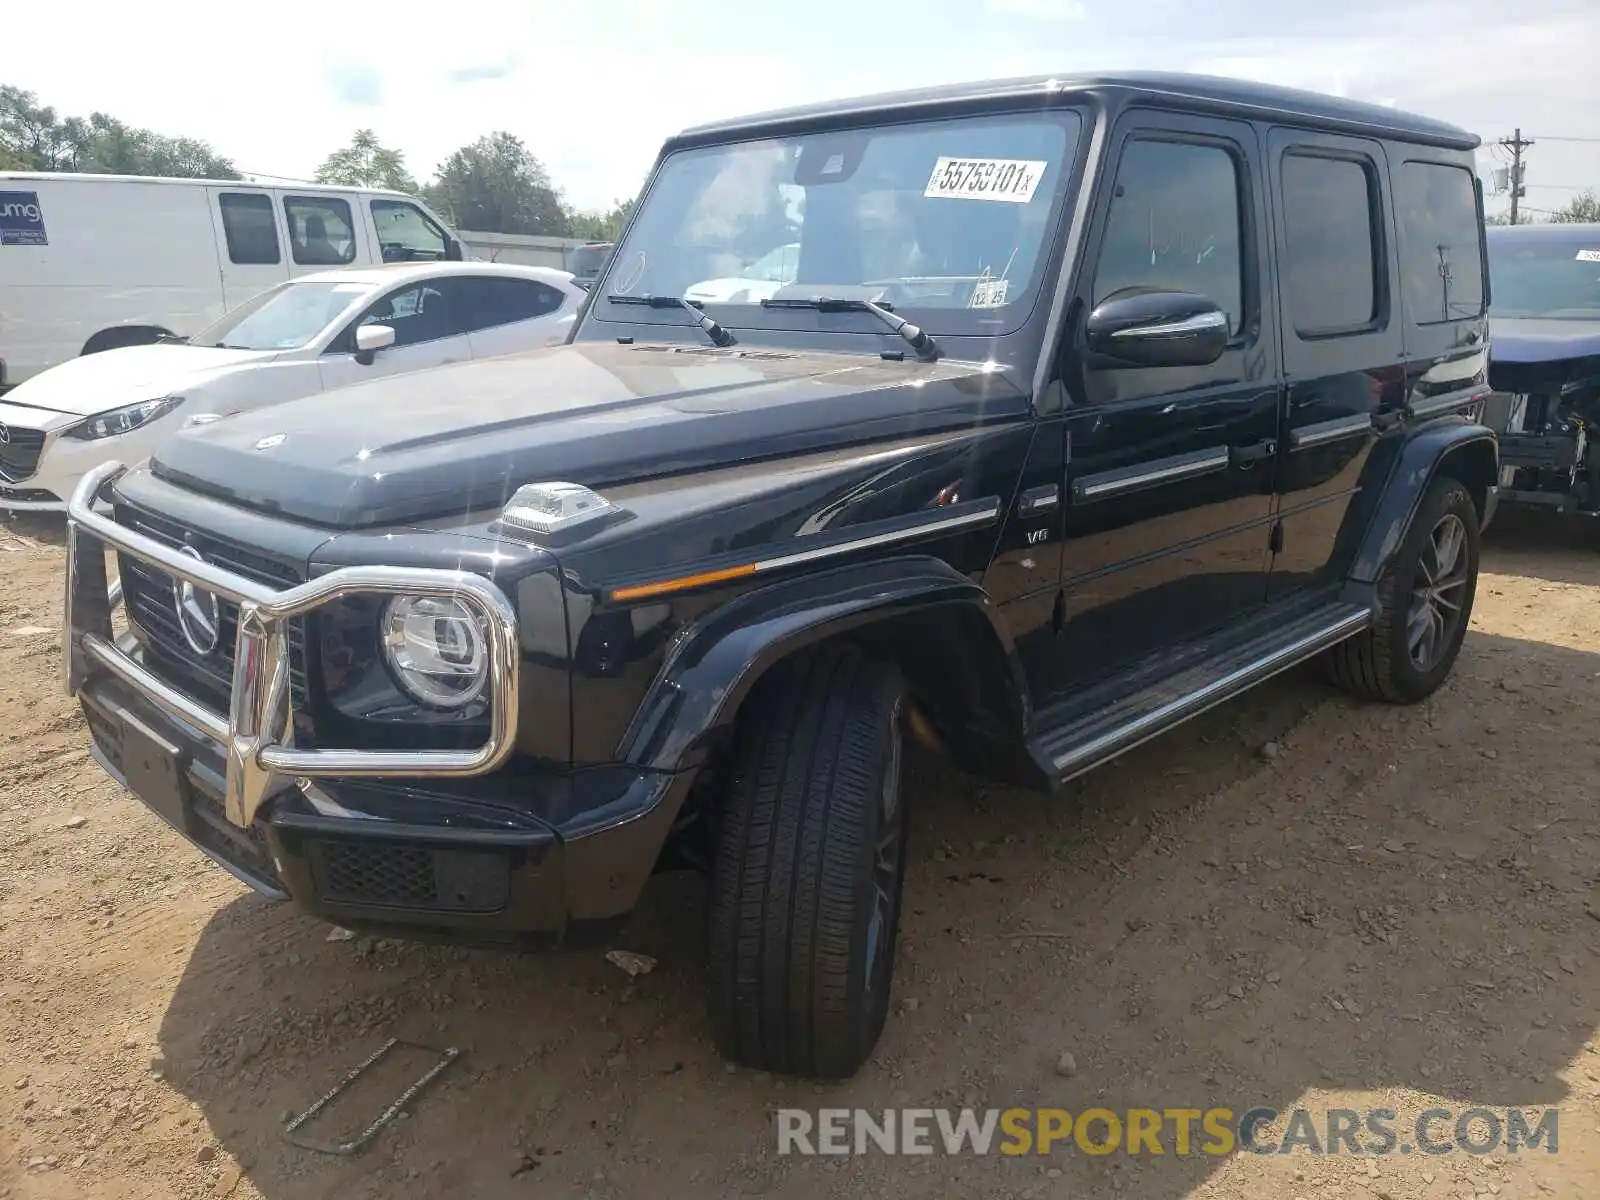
{"x": 122, "y": 420}
{"x": 437, "y": 648}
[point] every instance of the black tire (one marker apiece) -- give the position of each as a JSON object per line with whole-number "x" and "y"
{"x": 810, "y": 858}
{"x": 1380, "y": 663}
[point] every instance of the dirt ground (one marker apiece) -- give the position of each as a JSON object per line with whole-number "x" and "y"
{"x": 1294, "y": 901}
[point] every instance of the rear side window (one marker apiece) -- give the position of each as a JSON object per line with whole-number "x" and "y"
{"x": 485, "y": 303}
{"x": 321, "y": 233}
{"x": 1441, "y": 253}
{"x": 1330, "y": 277}
{"x": 248, "y": 225}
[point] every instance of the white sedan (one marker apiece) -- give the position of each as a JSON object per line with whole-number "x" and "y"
{"x": 311, "y": 334}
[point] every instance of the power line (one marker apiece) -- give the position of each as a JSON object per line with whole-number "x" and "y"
{"x": 1545, "y": 137}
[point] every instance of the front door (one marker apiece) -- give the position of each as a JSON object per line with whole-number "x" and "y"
{"x": 1169, "y": 498}
{"x": 426, "y": 334}
{"x": 252, "y": 251}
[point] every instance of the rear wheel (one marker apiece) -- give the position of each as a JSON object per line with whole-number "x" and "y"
{"x": 1424, "y": 605}
{"x": 806, "y": 883}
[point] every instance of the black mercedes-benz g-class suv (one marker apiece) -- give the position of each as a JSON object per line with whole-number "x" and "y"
{"x": 1094, "y": 402}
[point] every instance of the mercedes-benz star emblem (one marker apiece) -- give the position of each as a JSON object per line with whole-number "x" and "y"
{"x": 5, "y": 434}
{"x": 199, "y": 614}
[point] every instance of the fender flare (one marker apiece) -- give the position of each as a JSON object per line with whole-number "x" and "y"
{"x": 1465, "y": 450}
{"x": 114, "y": 337}
{"x": 712, "y": 664}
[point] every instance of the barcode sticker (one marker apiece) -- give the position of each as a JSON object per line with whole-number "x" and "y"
{"x": 1012, "y": 180}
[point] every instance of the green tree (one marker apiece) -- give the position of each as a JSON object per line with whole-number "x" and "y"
{"x": 34, "y": 137}
{"x": 496, "y": 185}
{"x": 366, "y": 162}
{"x": 602, "y": 226}
{"x": 1582, "y": 208}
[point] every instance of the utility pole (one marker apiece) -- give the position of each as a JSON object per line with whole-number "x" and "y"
{"x": 1516, "y": 144}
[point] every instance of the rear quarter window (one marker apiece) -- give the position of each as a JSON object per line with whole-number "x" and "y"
{"x": 1441, "y": 248}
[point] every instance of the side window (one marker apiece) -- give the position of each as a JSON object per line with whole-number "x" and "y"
{"x": 320, "y": 230}
{"x": 406, "y": 233}
{"x": 486, "y": 302}
{"x": 1333, "y": 256}
{"x": 1441, "y": 253}
{"x": 248, "y": 225}
{"x": 1174, "y": 225}
{"x": 419, "y": 313}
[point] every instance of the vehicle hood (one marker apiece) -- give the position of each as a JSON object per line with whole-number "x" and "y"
{"x": 97, "y": 383}
{"x": 463, "y": 437}
{"x": 1529, "y": 340}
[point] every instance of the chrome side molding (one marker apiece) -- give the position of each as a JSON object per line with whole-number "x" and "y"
{"x": 256, "y": 734}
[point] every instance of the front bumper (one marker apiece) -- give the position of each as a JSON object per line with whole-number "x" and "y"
{"x": 398, "y": 840}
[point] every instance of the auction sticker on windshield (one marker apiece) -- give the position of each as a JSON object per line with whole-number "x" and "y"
{"x": 1012, "y": 180}
{"x": 1589, "y": 255}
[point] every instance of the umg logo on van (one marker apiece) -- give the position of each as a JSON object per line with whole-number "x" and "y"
{"x": 21, "y": 219}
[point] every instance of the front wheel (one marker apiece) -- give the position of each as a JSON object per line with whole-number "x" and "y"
{"x": 1424, "y": 605}
{"x": 807, "y": 878}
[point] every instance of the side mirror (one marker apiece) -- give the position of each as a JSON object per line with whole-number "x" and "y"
{"x": 452, "y": 249}
{"x": 370, "y": 339}
{"x": 1156, "y": 329}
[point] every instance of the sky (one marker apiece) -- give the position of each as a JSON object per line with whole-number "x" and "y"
{"x": 594, "y": 87}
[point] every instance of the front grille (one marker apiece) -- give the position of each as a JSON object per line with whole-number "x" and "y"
{"x": 19, "y": 453}
{"x": 386, "y": 875}
{"x": 151, "y": 598}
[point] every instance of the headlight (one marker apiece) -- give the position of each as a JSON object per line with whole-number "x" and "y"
{"x": 437, "y": 648}
{"x": 122, "y": 420}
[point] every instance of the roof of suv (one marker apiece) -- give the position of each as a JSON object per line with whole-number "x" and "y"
{"x": 1230, "y": 93}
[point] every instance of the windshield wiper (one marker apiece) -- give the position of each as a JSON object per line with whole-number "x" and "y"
{"x": 918, "y": 338}
{"x": 715, "y": 332}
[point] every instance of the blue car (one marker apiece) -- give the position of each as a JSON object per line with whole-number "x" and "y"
{"x": 1545, "y": 364}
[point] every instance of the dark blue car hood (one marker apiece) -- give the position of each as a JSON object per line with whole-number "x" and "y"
{"x": 1527, "y": 340}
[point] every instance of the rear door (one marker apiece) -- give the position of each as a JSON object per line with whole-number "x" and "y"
{"x": 251, "y": 242}
{"x": 426, "y": 334}
{"x": 503, "y": 315}
{"x": 1340, "y": 318}
{"x": 1170, "y": 500}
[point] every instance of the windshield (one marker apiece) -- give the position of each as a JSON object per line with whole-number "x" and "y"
{"x": 945, "y": 221}
{"x": 1549, "y": 273}
{"x": 282, "y": 318}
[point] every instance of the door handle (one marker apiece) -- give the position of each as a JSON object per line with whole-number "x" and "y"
{"x": 1248, "y": 456}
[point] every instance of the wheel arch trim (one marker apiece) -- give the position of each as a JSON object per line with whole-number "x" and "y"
{"x": 714, "y": 663}
{"x": 1460, "y": 449}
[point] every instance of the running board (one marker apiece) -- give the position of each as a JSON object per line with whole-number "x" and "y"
{"x": 1082, "y": 742}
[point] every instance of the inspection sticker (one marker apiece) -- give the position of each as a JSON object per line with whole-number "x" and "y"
{"x": 989, "y": 293}
{"x": 1012, "y": 180}
{"x": 1589, "y": 255}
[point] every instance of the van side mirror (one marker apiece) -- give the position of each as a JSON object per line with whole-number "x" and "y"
{"x": 452, "y": 248}
{"x": 1156, "y": 329}
{"x": 370, "y": 339}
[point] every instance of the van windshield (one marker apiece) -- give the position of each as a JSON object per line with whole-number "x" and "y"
{"x": 1546, "y": 273}
{"x": 286, "y": 317}
{"x": 946, "y": 221}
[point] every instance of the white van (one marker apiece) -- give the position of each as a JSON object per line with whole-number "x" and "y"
{"x": 93, "y": 262}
